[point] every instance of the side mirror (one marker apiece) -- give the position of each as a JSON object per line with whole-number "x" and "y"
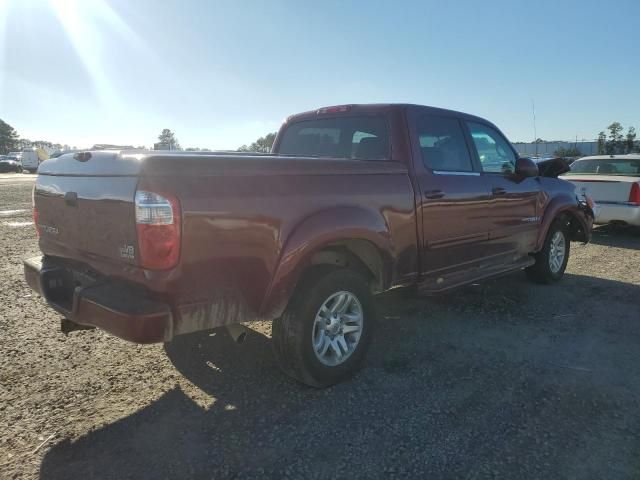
{"x": 526, "y": 167}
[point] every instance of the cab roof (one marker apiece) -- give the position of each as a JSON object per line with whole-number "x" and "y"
{"x": 383, "y": 108}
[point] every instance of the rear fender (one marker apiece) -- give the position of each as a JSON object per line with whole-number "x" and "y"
{"x": 320, "y": 231}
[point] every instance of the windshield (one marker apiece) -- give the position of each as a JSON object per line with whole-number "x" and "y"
{"x": 606, "y": 166}
{"x": 362, "y": 137}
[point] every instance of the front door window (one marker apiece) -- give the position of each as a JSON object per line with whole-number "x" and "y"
{"x": 496, "y": 156}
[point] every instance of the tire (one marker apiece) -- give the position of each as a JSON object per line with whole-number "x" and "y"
{"x": 546, "y": 271}
{"x": 295, "y": 332}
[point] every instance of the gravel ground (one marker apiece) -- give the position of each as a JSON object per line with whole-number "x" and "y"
{"x": 500, "y": 380}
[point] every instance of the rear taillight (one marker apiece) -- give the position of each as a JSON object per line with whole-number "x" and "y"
{"x": 634, "y": 194}
{"x": 35, "y": 211}
{"x": 158, "y": 225}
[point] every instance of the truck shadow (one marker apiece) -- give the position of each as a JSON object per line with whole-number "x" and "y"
{"x": 620, "y": 236}
{"x": 265, "y": 425}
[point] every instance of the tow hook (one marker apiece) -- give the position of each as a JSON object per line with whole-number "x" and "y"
{"x": 238, "y": 332}
{"x": 67, "y": 326}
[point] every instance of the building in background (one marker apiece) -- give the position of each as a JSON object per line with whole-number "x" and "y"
{"x": 548, "y": 148}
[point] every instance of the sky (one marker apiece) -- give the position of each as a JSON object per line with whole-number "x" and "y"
{"x": 223, "y": 73}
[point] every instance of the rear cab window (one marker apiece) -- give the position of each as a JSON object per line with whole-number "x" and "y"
{"x": 364, "y": 137}
{"x": 607, "y": 166}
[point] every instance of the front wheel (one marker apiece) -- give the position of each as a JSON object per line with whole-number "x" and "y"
{"x": 551, "y": 261}
{"x": 324, "y": 334}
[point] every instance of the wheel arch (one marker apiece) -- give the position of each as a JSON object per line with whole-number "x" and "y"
{"x": 345, "y": 237}
{"x": 566, "y": 209}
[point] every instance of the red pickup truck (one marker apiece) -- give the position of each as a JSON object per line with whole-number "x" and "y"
{"x": 354, "y": 200}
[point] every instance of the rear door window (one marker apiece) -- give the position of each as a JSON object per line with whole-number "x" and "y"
{"x": 359, "y": 137}
{"x": 443, "y": 145}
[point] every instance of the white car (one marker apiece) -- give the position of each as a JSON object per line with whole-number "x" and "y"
{"x": 613, "y": 182}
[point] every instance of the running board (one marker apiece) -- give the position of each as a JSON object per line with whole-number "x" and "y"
{"x": 435, "y": 284}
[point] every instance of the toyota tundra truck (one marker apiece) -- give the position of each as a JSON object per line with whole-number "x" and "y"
{"x": 352, "y": 201}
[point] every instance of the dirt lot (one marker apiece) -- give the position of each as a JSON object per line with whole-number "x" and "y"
{"x": 505, "y": 379}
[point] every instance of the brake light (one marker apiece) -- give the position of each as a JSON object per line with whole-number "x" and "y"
{"x": 634, "y": 195}
{"x": 335, "y": 109}
{"x": 158, "y": 226}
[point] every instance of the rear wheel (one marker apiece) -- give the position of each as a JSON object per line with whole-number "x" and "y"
{"x": 325, "y": 332}
{"x": 551, "y": 261}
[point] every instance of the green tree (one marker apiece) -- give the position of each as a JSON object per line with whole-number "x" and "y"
{"x": 630, "y": 142}
{"x": 614, "y": 145}
{"x": 602, "y": 143}
{"x": 167, "y": 137}
{"x": 8, "y": 138}
{"x": 262, "y": 145}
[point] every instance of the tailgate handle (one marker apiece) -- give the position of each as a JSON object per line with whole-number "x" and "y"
{"x": 71, "y": 199}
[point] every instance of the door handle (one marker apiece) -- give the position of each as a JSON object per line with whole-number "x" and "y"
{"x": 498, "y": 191}
{"x": 433, "y": 194}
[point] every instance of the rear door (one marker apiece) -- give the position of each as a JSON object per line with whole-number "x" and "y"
{"x": 30, "y": 160}
{"x": 513, "y": 207}
{"x": 453, "y": 197}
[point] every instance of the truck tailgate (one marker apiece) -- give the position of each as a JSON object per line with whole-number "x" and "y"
{"x": 86, "y": 208}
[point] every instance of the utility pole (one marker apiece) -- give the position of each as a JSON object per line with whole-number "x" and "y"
{"x": 535, "y": 133}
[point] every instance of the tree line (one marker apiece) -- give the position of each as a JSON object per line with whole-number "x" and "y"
{"x": 10, "y": 141}
{"x": 261, "y": 145}
{"x": 617, "y": 142}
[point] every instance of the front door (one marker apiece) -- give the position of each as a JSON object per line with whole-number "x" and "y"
{"x": 513, "y": 214}
{"x": 453, "y": 198}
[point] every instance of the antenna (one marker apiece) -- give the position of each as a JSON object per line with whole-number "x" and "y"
{"x": 535, "y": 133}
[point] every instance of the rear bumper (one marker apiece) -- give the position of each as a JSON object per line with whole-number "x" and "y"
{"x": 116, "y": 308}
{"x": 618, "y": 212}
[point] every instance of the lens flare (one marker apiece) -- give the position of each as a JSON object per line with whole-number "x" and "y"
{"x": 89, "y": 24}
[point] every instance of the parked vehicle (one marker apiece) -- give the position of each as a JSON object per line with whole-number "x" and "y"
{"x": 613, "y": 181}
{"x": 59, "y": 153}
{"x": 31, "y": 159}
{"x": 353, "y": 201}
{"x": 9, "y": 164}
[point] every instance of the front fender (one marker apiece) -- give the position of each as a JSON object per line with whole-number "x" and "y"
{"x": 315, "y": 232}
{"x": 570, "y": 205}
